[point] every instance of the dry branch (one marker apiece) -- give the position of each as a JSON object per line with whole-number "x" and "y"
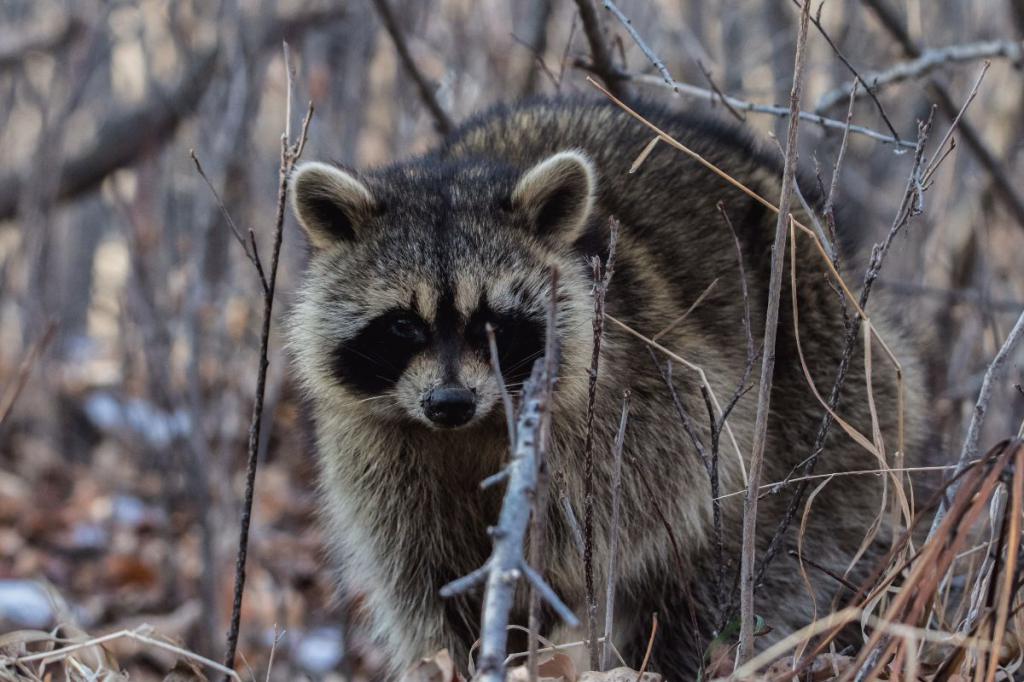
{"x": 924, "y": 65}
{"x": 687, "y": 90}
{"x": 15, "y": 387}
{"x": 747, "y": 558}
{"x": 602, "y": 278}
{"x": 507, "y": 564}
{"x": 910, "y": 206}
{"x": 635, "y": 35}
{"x": 428, "y": 92}
{"x": 123, "y": 138}
{"x": 16, "y": 47}
{"x": 600, "y": 54}
{"x": 1005, "y": 188}
{"x": 126, "y": 137}
{"x": 970, "y": 448}
{"x": 816, "y": 20}
{"x": 290, "y": 154}
{"x": 613, "y": 539}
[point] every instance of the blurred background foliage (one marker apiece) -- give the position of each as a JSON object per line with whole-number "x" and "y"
{"x": 129, "y": 316}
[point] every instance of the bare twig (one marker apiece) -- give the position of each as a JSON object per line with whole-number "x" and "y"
{"x": 939, "y": 155}
{"x": 909, "y": 207}
{"x": 746, "y": 640}
{"x": 928, "y": 61}
{"x": 442, "y": 121}
{"x": 250, "y": 253}
{"x": 126, "y": 136}
{"x": 687, "y": 90}
{"x": 140, "y": 634}
{"x": 853, "y": 71}
{"x": 601, "y": 280}
{"x": 506, "y": 398}
{"x": 15, "y": 47}
{"x": 537, "y": 42}
{"x": 970, "y": 448}
{"x": 13, "y": 390}
{"x": 122, "y": 138}
{"x": 650, "y": 647}
{"x": 635, "y": 35}
{"x": 507, "y": 563}
{"x": 600, "y": 54}
{"x": 536, "y": 556}
{"x": 718, "y": 91}
{"x": 289, "y": 156}
{"x": 613, "y": 533}
{"x": 828, "y": 211}
{"x": 1004, "y": 187}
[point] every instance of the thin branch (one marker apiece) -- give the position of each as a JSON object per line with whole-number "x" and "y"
{"x": 613, "y": 532}
{"x": 125, "y": 137}
{"x": 1004, "y": 187}
{"x": 929, "y": 61}
{"x": 536, "y": 556}
{"x": 853, "y": 71}
{"x": 970, "y": 448}
{"x": 506, "y": 398}
{"x": 139, "y": 634}
{"x": 18, "y": 46}
{"x": 600, "y": 54}
{"x": 746, "y": 640}
{"x": 718, "y": 91}
{"x": 14, "y": 389}
{"x": 601, "y": 281}
{"x": 687, "y": 90}
{"x": 428, "y": 93}
{"x": 507, "y": 563}
{"x": 252, "y": 254}
{"x": 635, "y": 35}
{"x": 909, "y": 207}
{"x": 828, "y": 211}
{"x": 289, "y": 156}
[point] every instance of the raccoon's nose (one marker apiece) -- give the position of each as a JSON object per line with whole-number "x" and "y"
{"x": 450, "y": 405}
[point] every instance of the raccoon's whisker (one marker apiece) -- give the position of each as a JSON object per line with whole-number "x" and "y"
{"x": 374, "y": 397}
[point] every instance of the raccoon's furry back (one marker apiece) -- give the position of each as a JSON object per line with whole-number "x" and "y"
{"x": 404, "y": 511}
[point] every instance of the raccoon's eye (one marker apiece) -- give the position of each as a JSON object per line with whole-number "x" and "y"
{"x": 408, "y": 329}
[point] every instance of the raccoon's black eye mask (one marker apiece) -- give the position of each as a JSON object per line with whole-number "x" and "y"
{"x": 375, "y": 359}
{"x": 519, "y": 338}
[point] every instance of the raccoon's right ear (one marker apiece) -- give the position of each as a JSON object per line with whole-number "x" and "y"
{"x": 557, "y": 195}
{"x": 330, "y": 203}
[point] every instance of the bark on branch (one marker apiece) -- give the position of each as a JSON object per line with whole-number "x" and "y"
{"x": 143, "y": 129}
{"x": 925, "y": 64}
{"x": 16, "y": 47}
{"x": 1003, "y": 187}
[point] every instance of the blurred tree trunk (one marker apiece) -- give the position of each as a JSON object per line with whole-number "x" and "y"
{"x": 781, "y": 30}
{"x": 77, "y": 249}
{"x": 536, "y": 38}
{"x": 733, "y": 50}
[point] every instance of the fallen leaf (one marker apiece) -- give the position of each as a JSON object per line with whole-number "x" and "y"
{"x": 622, "y": 674}
{"x": 555, "y": 668}
{"x": 185, "y": 671}
{"x": 436, "y": 668}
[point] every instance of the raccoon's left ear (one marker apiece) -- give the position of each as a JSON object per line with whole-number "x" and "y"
{"x": 330, "y": 203}
{"x": 558, "y": 195}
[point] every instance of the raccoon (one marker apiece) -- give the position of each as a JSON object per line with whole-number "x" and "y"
{"x": 408, "y": 265}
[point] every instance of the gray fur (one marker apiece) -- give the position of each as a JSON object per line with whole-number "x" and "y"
{"x": 401, "y": 502}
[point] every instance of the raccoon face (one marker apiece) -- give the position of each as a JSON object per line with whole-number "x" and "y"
{"x": 410, "y": 266}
